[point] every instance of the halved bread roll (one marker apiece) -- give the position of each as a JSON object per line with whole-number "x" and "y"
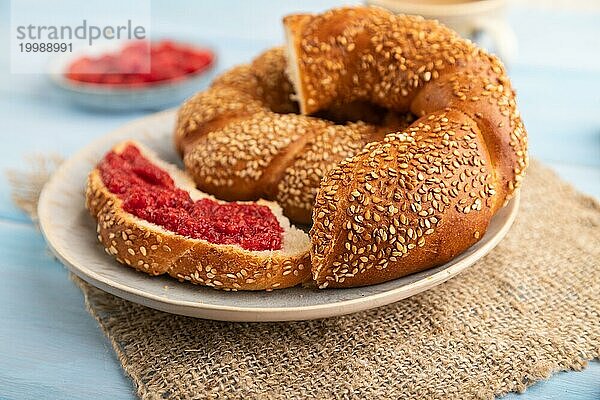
{"x": 151, "y": 248}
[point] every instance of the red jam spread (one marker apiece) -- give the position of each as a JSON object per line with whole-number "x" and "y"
{"x": 149, "y": 193}
{"x": 141, "y": 63}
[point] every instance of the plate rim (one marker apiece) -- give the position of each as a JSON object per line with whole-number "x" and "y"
{"x": 199, "y": 309}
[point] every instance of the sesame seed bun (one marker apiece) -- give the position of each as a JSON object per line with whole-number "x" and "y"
{"x": 423, "y": 195}
{"x": 150, "y": 248}
{"x": 242, "y": 139}
{"x": 385, "y": 199}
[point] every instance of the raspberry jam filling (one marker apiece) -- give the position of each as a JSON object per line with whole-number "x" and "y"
{"x": 149, "y": 193}
{"x": 141, "y": 63}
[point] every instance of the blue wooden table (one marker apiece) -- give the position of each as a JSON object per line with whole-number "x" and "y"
{"x": 50, "y": 348}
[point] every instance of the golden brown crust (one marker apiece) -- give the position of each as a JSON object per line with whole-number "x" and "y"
{"x": 410, "y": 202}
{"x": 241, "y": 140}
{"x": 407, "y": 63}
{"x": 436, "y": 184}
{"x": 151, "y": 249}
{"x": 491, "y": 103}
{"x": 211, "y": 110}
{"x": 403, "y": 204}
{"x": 273, "y": 84}
{"x": 299, "y": 183}
{"x": 372, "y": 55}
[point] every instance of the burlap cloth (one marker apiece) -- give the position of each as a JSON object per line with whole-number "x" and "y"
{"x": 528, "y": 309}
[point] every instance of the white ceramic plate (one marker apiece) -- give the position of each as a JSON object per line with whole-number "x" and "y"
{"x": 70, "y": 233}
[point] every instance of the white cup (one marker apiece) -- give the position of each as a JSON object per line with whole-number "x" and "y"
{"x": 469, "y": 18}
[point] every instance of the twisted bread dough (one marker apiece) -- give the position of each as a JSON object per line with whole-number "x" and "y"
{"x": 389, "y": 205}
{"x": 420, "y": 197}
{"x": 242, "y": 140}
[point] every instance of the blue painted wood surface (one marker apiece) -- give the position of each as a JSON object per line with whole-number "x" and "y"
{"x": 50, "y": 348}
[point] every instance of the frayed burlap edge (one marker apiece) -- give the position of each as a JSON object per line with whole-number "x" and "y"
{"x": 26, "y": 184}
{"x": 193, "y": 367}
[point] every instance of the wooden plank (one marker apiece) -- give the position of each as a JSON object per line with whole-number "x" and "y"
{"x": 50, "y": 346}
